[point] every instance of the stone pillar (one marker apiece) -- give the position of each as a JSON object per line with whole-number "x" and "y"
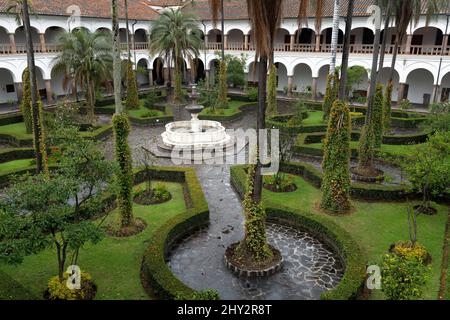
{"x": 12, "y": 42}
{"x": 246, "y": 42}
{"x": 408, "y": 43}
{"x": 445, "y": 41}
{"x": 150, "y": 77}
{"x": 42, "y": 41}
{"x": 48, "y": 89}
{"x": 19, "y": 90}
{"x": 401, "y": 92}
{"x": 292, "y": 42}
{"x": 317, "y": 42}
{"x": 290, "y": 85}
{"x": 315, "y": 81}
{"x": 225, "y": 42}
{"x": 207, "y": 79}
{"x": 206, "y": 42}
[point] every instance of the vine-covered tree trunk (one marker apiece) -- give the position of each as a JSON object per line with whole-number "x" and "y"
{"x": 38, "y": 135}
{"x": 223, "y": 86}
{"x": 387, "y": 107}
{"x": 272, "y": 107}
{"x": 378, "y": 116}
{"x": 336, "y": 160}
{"x": 132, "y": 101}
{"x": 25, "y": 105}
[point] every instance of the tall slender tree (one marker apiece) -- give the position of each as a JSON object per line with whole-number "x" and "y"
{"x": 38, "y": 130}
{"x": 335, "y": 36}
{"x": 346, "y": 50}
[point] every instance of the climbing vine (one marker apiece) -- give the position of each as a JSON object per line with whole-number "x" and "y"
{"x": 222, "y": 99}
{"x": 336, "y": 161}
{"x": 377, "y": 115}
{"x": 132, "y": 101}
{"x": 272, "y": 107}
{"x": 387, "y": 107}
{"x": 42, "y": 144}
{"x": 25, "y": 106}
{"x": 329, "y": 97}
{"x": 125, "y": 175}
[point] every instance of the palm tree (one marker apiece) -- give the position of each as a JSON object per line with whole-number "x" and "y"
{"x": 175, "y": 35}
{"x": 85, "y": 59}
{"x": 335, "y": 36}
{"x": 346, "y": 50}
{"x": 38, "y": 136}
{"x": 15, "y": 7}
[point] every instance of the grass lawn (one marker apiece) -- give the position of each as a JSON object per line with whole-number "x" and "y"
{"x": 314, "y": 118}
{"x": 114, "y": 263}
{"x": 375, "y": 225}
{"x": 233, "y": 107}
{"x": 16, "y": 129}
{"x": 14, "y": 165}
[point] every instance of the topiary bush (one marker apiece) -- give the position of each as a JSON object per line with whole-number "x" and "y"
{"x": 252, "y": 94}
{"x": 387, "y": 107}
{"x": 336, "y": 161}
{"x": 272, "y": 107}
{"x": 132, "y": 101}
{"x": 222, "y": 98}
{"x": 121, "y": 126}
{"x": 377, "y": 116}
{"x": 329, "y": 97}
{"x": 25, "y": 106}
{"x": 58, "y": 290}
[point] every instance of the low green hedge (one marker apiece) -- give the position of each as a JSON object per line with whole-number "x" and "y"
{"x": 11, "y": 154}
{"x": 154, "y": 266}
{"x": 6, "y": 119}
{"x": 326, "y": 230}
{"x": 5, "y": 178}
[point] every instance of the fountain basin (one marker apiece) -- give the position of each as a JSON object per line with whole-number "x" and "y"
{"x": 206, "y": 134}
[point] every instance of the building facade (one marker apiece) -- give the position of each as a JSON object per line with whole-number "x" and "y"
{"x": 302, "y": 57}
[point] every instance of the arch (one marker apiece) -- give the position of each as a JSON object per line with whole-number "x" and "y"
{"x": 57, "y": 82}
{"x": 252, "y": 77}
{"x": 325, "y": 36}
{"x": 140, "y": 36}
{"x": 282, "y": 39}
{"x": 20, "y": 38}
{"x": 302, "y": 77}
{"x": 214, "y": 36}
{"x": 80, "y": 28}
{"x": 427, "y": 36}
{"x": 235, "y": 36}
{"x": 420, "y": 86}
{"x": 305, "y": 36}
{"x": 362, "y": 35}
{"x": 104, "y": 29}
{"x": 445, "y": 88}
{"x": 142, "y": 73}
{"x": 4, "y": 40}
{"x": 360, "y": 87}
{"x": 322, "y": 79}
{"x": 383, "y": 77}
{"x": 282, "y": 78}
{"x": 52, "y": 33}
{"x": 8, "y": 90}
{"x": 158, "y": 71}
{"x": 123, "y": 35}
{"x": 198, "y": 70}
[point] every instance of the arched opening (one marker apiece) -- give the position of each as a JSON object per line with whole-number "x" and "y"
{"x": 142, "y": 73}
{"x": 253, "y": 76}
{"x": 8, "y": 91}
{"x": 282, "y": 40}
{"x": 357, "y": 83}
{"x": 305, "y": 36}
{"x": 445, "y": 88}
{"x": 199, "y": 68}
{"x": 123, "y": 35}
{"x": 215, "y": 39}
{"x": 140, "y": 36}
{"x": 80, "y": 28}
{"x": 322, "y": 80}
{"x": 419, "y": 86}
{"x": 21, "y": 40}
{"x": 5, "y": 44}
{"x": 325, "y": 36}
{"x": 364, "y": 36}
{"x": 40, "y": 84}
{"x": 426, "y": 40}
{"x": 235, "y": 39}
{"x": 52, "y": 34}
{"x": 384, "y": 78}
{"x": 302, "y": 78}
{"x": 213, "y": 69}
{"x": 105, "y": 30}
{"x": 282, "y": 78}
{"x": 158, "y": 71}
{"x": 58, "y": 83}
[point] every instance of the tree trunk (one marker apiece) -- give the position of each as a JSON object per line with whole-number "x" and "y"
{"x": 384, "y": 40}
{"x": 260, "y": 124}
{"x": 116, "y": 57}
{"x": 346, "y": 51}
{"x": 373, "y": 74}
{"x": 128, "y": 30}
{"x": 334, "y": 37}
{"x": 37, "y": 129}
{"x": 394, "y": 58}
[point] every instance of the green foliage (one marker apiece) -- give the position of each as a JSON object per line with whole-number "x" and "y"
{"x": 178, "y": 95}
{"x": 377, "y": 115}
{"x": 439, "y": 119}
{"x": 150, "y": 99}
{"x": 25, "y": 106}
{"x": 405, "y": 104}
{"x": 222, "y": 98}
{"x": 200, "y": 295}
{"x": 427, "y": 169}
{"x": 272, "y": 107}
{"x": 299, "y": 115}
{"x": 336, "y": 161}
{"x": 366, "y": 147}
{"x": 132, "y": 101}
{"x": 235, "y": 70}
{"x": 255, "y": 240}
{"x": 121, "y": 126}
{"x": 42, "y": 139}
{"x": 403, "y": 278}
{"x": 355, "y": 76}
{"x": 387, "y": 107}
{"x": 208, "y": 95}
{"x": 58, "y": 289}
{"x": 150, "y": 114}
{"x": 160, "y": 192}
{"x": 329, "y": 98}
{"x": 252, "y": 93}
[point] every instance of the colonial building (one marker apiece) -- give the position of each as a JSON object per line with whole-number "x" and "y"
{"x": 422, "y": 70}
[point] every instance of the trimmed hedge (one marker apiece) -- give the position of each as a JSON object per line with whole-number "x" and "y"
{"x": 6, "y": 177}
{"x": 154, "y": 266}
{"x": 16, "y": 154}
{"x": 326, "y": 230}
{"x": 6, "y": 119}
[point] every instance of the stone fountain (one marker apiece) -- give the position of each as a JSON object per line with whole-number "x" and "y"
{"x": 195, "y": 134}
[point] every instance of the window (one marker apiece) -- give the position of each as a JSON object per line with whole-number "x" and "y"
{"x": 10, "y": 88}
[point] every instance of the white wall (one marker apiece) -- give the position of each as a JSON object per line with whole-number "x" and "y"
{"x": 6, "y": 79}
{"x": 302, "y": 77}
{"x": 420, "y": 82}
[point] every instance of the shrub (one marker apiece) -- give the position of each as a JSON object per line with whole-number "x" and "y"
{"x": 402, "y": 278}
{"x": 336, "y": 161}
{"x": 377, "y": 115}
{"x": 405, "y": 104}
{"x": 222, "y": 99}
{"x": 329, "y": 97}
{"x": 25, "y": 106}
{"x": 387, "y": 107}
{"x": 160, "y": 192}
{"x": 279, "y": 181}
{"x": 150, "y": 114}
{"x": 439, "y": 120}
{"x": 200, "y": 295}
{"x": 132, "y": 101}
{"x": 408, "y": 251}
{"x": 252, "y": 94}
{"x": 150, "y": 99}
{"x": 58, "y": 289}
{"x": 125, "y": 174}
{"x": 272, "y": 91}
{"x": 235, "y": 70}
